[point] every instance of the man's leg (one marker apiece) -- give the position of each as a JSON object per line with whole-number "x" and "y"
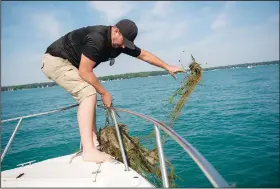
{"x": 66, "y": 75}
{"x": 86, "y": 111}
{"x": 94, "y": 134}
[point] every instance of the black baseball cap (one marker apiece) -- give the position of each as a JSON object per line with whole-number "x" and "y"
{"x": 129, "y": 31}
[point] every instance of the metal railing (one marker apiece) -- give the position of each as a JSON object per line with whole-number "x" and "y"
{"x": 212, "y": 175}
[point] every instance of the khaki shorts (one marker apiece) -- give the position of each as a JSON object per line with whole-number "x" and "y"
{"x": 62, "y": 72}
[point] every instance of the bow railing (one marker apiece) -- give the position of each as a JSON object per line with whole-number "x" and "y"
{"x": 209, "y": 171}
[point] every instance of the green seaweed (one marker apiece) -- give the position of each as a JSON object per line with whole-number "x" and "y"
{"x": 183, "y": 93}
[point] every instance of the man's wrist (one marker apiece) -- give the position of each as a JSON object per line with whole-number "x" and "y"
{"x": 103, "y": 93}
{"x": 165, "y": 66}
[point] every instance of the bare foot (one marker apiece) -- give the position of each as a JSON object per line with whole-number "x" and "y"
{"x": 96, "y": 156}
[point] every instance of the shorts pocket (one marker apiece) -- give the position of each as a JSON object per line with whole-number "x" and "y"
{"x": 72, "y": 82}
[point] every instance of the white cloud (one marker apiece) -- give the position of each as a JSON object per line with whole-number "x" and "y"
{"x": 113, "y": 10}
{"x": 162, "y": 9}
{"x": 48, "y": 25}
{"x": 206, "y": 9}
{"x": 236, "y": 46}
{"x": 22, "y": 68}
{"x": 274, "y": 18}
{"x": 160, "y": 29}
{"x": 229, "y": 4}
{"x": 222, "y": 19}
{"x": 26, "y": 58}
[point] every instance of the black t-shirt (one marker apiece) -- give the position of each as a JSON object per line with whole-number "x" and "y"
{"x": 92, "y": 41}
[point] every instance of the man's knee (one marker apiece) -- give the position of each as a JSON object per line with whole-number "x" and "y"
{"x": 88, "y": 91}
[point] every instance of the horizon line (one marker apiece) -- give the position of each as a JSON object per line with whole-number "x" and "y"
{"x": 152, "y": 71}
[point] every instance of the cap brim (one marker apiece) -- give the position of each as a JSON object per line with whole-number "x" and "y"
{"x": 128, "y": 43}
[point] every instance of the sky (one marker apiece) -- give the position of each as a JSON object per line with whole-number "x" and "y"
{"x": 217, "y": 33}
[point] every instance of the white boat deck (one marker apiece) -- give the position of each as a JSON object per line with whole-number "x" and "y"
{"x": 59, "y": 172}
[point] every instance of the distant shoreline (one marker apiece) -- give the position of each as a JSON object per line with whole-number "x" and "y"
{"x": 130, "y": 75}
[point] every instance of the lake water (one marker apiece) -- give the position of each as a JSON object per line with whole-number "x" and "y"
{"x": 232, "y": 118}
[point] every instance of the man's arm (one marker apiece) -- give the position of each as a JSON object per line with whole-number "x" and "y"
{"x": 86, "y": 73}
{"x": 154, "y": 60}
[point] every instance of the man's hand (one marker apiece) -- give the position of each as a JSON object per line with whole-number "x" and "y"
{"x": 173, "y": 70}
{"x": 152, "y": 59}
{"x": 107, "y": 99}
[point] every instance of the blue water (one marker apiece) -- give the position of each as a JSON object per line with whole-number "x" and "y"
{"x": 232, "y": 118}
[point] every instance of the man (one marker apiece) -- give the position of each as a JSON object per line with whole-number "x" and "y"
{"x": 70, "y": 60}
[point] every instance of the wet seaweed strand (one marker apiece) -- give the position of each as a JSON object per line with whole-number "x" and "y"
{"x": 180, "y": 96}
{"x": 187, "y": 86}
